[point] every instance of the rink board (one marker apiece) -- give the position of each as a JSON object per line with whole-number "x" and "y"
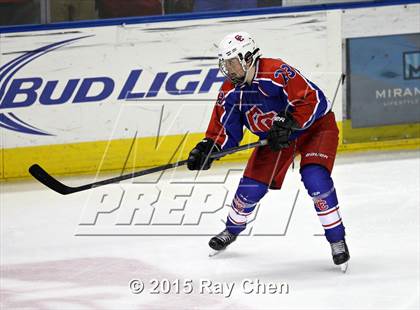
{"x": 116, "y": 97}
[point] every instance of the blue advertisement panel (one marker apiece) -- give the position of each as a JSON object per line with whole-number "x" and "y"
{"x": 384, "y": 80}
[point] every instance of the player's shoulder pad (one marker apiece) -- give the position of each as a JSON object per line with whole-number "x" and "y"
{"x": 226, "y": 92}
{"x": 270, "y": 69}
{"x": 270, "y": 75}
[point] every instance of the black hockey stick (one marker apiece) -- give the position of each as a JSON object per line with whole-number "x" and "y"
{"x": 45, "y": 178}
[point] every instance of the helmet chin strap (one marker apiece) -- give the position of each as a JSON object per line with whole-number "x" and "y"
{"x": 243, "y": 81}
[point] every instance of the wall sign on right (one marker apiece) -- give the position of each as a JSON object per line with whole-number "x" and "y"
{"x": 383, "y": 87}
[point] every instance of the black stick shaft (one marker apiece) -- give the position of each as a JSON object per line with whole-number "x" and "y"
{"x": 45, "y": 178}
{"x": 238, "y": 149}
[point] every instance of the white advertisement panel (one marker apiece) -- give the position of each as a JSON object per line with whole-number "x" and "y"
{"x": 115, "y": 82}
{"x": 66, "y": 94}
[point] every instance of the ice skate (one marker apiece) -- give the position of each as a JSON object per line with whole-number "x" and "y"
{"x": 340, "y": 254}
{"x": 219, "y": 242}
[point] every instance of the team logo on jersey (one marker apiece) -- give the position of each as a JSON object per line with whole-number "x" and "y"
{"x": 239, "y": 38}
{"x": 258, "y": 120}
{"x": 321, "y": 204}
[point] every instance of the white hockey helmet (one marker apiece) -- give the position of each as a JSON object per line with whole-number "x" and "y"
{"x": 238, "y": 45}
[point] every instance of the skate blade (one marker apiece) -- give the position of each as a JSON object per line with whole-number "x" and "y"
{"x": 344, "y": 267}
{"x": 214, "y": 253}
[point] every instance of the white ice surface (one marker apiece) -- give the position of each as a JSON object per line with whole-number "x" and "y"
{"x": 44, "y": 265}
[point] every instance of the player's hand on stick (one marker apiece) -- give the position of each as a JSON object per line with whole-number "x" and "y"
{"x": 280, "y": 131}
{"x": 199, "y": 156}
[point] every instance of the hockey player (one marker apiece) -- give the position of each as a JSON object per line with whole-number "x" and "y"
{"x": 275, "y": 102}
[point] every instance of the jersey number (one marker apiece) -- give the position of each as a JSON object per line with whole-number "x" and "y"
{"x": 286, "y": 71}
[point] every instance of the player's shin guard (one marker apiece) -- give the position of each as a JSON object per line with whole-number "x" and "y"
{"x": 247, "y": 196}
{"x": 320, "y": 186}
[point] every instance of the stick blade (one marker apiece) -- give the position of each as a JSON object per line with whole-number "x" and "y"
{"x": 42, "y": 176}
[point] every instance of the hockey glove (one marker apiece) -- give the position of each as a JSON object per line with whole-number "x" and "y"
{"x": 198, "y": 158}
{"x": 280, "y": 131}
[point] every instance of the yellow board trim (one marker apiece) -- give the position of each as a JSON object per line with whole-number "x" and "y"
{"x": 91, "y": 157}
{"x": 372, "y": 134}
